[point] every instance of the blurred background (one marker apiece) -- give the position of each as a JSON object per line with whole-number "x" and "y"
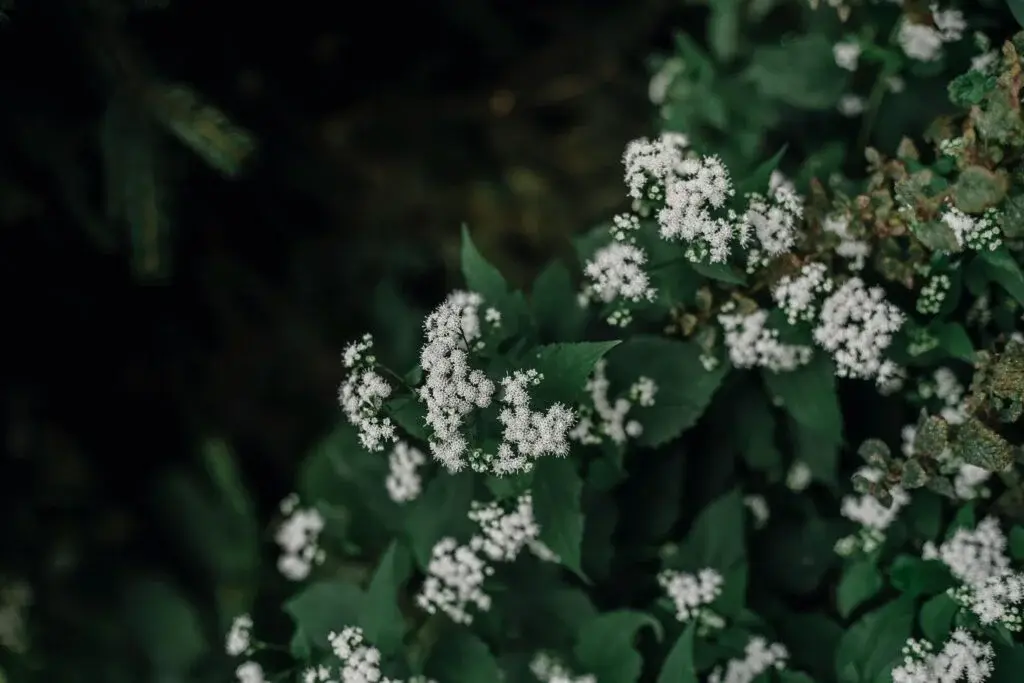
{"x": 200, "y": 204}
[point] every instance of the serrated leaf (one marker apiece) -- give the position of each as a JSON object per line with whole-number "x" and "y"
{"x": 679, "y": 665}
{"x": 566, "y": 368}
{"x": 557, "y": 490}
{"x": 685, "y": 388}
{"x": 380, "y": 617}
{"x": 461, "y": 657}
{"x": 861, "y": 581}
{"x": 604, "y": 646}
{"x": 480, "y": 276}
{"x": 322, "y": 607}
{"x": 442, "y": 510}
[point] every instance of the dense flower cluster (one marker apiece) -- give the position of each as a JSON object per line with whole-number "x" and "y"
{"x": 691, "y": 593}
{"x": 604, "y": 418}
{"x": 363, "y": 393}
{"x": 298, "y": 537}
{"x": 403, "y": 481}
{"x": 759, "y": 656}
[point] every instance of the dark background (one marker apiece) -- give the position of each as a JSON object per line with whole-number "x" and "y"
{"x": 379, "y": 128}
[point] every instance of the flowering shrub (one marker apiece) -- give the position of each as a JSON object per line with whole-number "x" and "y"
{"x": 771, "y": 433}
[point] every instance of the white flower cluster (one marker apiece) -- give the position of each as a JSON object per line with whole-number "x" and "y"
{"x": 856, "y": 326}
{"x": 662, "y": 79}
{"x": 452, "y": 388}
{"x": 456, "y": 573}
{"x": 759, "y": 656}
{"x": 929, "y": 301}
{"x": 298, "y": 537}
{"x": 752, "y": 343}
{"x": 773, "y": 219}
{"x": 996, "y": 600}
{"x": 924, "y": 42}
{"x": 961, "y": 658}
{"x": 238, "y": 643}
{"x": 616, "y": 271}
{"x": 548, "y": 669}
{"x": 847, "y": 54}
{"x": 403, "y": 481}
{"x": 973, "y": 556}
{"x": 358, "y": 662}
{"x": 362, "y": 395}
{"x": 239, "y": 638}
{"x": 873, "y": 517}
{"x": 606, "y": 419}
{"x": 692, "y": 593}
{"x": 759, "y": 510}
{"x": 797, "y": 295}
{"x": 850, "y": 248}
{"x": 527, "y": 434}
{"x": 979, "y": 233}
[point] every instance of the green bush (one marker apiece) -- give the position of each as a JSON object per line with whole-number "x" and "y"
{"x": 767, "y": 428}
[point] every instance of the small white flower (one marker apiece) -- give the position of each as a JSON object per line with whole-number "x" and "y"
{"x": 239, "y": 638}
{"x": 403, "y": 481}
{"x": 759, "y": 657}
{"x": 846, "y": 54}
{"x": 690, "y": 593}
{"x": 298, "y": 537}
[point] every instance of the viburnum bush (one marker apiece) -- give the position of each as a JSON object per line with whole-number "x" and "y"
{"x": 768, "y": 429}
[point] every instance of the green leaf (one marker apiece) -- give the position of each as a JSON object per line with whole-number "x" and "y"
{"x": 874, "y": 643}
{"x": 1017, "y": 9}
{"x": 604, "y": 646}
{"x": 685, "y": 388}
{"x": 380, "y": 617}
{"x": 756, "y": 440}
{"x": 800, "y": 72}
{"x": 914, "y": 576}
{"x": 1001, "y": 267}
{"x": 410, "y": 415}
{"x": 954, "y": 340}
{"x": 442, "y": 510}
{"x": 461, "y": 657}
{"x": 566, "y": 368}
{"x": 1016, "y": 542}
{"x": 810, "y": 397}
{"x": 722, "y": 272}
{"x": 937, "y": 236}
{"x": 557, "y": 490}
{"x": 717, "y": 537}
{"x": 165, "y": 625}
{"x": 678, "y": 666}
{"x": 861, "y": 581}
{"x": 937, "y": 617}
{"x": 481, "y": 277}
{"x": 322, "y": 607}
{"x": 760, "y": 178}
{"x": 555, "y": 308}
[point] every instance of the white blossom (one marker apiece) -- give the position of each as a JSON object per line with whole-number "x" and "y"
{"x": 920, "y": 41}
{"x": 454, "y": 582}
{"x": 798, "y": 478}
{"x": 662, "y": 79}
{"x": 759, "y": 509}
{"x": 504, "y": 534}
{"x": 851, "y": 105}
{"x": 452, "y": 388}
{"x": 798, "y": 295}
{"x": 548, "y": 669}
{"x": 239, "y": 638}
{"x": 752, "y": 343}
{"x": 362, "y": 395}
{"x": 15, "y": 600}
{"x": 604, "y": 418}
{"x": 995, "y": 600}
{"x": 759, "y": 657}
{"x": 961, "y": 658}
{"x": 973, "y": 555}
{"x": 856, "y": 326}
{"x": 250, "y": 672}
{"x": 616, "y": 271}
{"x": 527, "y": 434}
{"x": 846, "y": 54}
{"x": 403, "y": 482}
{"x": 980, "y": 233}
{"x": 690, "y": 593}
{"x": 298, "y": 537}
{"x": 873, "y": 517}
{"x": 854, "y": 250}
